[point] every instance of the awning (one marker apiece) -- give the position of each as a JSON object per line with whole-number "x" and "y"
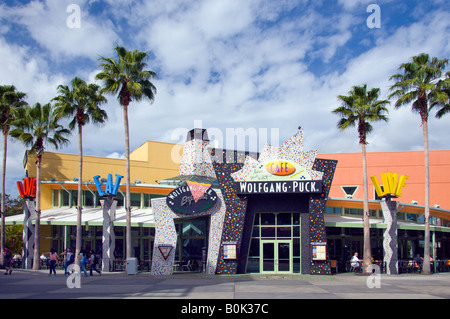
{"x": 358, "y": 222}
{"x": 90, "y": 217}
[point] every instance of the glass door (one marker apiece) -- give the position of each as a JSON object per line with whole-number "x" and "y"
{"x": 276, "y": 256}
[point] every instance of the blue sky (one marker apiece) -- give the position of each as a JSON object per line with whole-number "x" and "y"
{"x": 258, "y": 65}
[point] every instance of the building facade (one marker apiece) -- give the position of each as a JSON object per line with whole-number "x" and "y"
{"x": 284, "y": 210}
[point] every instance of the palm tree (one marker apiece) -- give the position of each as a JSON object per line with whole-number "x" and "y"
{"x": 418, "y": 84}
{"x": 360, "y": 108}
{"x": 81, "y": 103}
{"x": 10, "y": 99}
{"x": 126, "y": 76}
{"x": 37, "y": 126}
{"x": 442, "y": 97}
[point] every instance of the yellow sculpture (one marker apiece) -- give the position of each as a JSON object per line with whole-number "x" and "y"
{"x": 392, "y": 185}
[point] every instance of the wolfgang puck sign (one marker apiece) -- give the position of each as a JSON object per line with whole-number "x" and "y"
{"x": 192, "y": 198}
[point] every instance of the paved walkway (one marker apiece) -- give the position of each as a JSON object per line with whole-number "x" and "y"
{"x": 28, "y": 284}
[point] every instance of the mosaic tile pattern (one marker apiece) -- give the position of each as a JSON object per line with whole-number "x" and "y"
{"x": 317, "y": 204}
{"x": 196, "y": 159}
{"x": 291, "y": 150}
{"x": 235, "y": 215}
{"x": 165, "y": 234}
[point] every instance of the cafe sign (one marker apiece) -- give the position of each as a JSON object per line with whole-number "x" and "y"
{"x": 192, "y": 198}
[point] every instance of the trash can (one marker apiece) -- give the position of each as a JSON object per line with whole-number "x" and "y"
{"x": 132, "y": 266}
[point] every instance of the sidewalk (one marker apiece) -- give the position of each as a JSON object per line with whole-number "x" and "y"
{"x": 29, "y": 284}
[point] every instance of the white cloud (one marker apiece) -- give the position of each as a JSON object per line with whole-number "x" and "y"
{"x": 230, "y": 64}
{"x": 47, "y": 23}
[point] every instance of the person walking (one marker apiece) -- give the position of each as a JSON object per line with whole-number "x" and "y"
{"x": 53, "y": 260}
{"x": 7, "y": 261}
{"x": 68, "y": 260}
{"x": 93, "y": 262}
{"x": 83, "y": 262}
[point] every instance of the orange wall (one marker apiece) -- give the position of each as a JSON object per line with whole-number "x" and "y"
{"x": 410, "y": 163}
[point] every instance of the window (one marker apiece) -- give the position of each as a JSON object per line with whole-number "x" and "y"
{"x": 135, "y": 200}
{"x": 349, "y": 191}
{"x": 332, "y": 210}
{"x": 353, "y": 211}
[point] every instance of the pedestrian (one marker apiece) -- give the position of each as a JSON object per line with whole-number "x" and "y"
{"x": 93, "y": 262}
{"x": 7, "y": 261}
{"x": 53, "y": 259}
{"x": 83, "y": 262}
{"x": 68, "y": 260}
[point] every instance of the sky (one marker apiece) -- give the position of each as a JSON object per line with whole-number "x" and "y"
{"x": 260, "y": 67}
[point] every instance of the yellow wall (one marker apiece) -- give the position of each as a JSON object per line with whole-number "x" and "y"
{"x": 150, "y": 163}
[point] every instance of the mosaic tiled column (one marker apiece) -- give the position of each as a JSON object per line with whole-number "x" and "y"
{"x": 108, "y": 240}
{"x": 235, "y": 215}
{"x": 29, "y": 213}
{"x": 390, "y": 244}
{"x": 317, "y": 205}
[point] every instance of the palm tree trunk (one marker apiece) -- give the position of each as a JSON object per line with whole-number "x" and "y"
{"x": 426, "y": 254}
{"x": 3, "y": 234}
{"x": 128, "y": 195}
{"x": 80, "y": 192}
{"x": 37, "y": 226}
{"x": 367, "y": 248}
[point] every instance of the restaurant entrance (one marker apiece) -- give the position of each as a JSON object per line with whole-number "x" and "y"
{"x": 275, "y": 243}
{"x": 276, "y": 256}
{"x": 192, "y": 236}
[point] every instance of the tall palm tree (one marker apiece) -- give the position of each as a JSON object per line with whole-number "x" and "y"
{"x": 37, "y": 126}
{"x": 360, "y": 108}
{"x": 9, "y": 100}
{"x": 82, "y": 104}
{"x": 418, "y": 84}
{"x": 126, "y": 76}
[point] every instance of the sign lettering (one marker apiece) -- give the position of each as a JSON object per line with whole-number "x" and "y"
{"x": 27, "y": 188}
{"x": 289, "y": 187}
{"x": 185, "y": 200}
{"x": 392, "y": 185}
{"x": 109, "y": 188}
{"x": 280, "y": 168}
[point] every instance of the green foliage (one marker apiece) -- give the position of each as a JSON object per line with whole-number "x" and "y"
{"x": 361, "y": 107}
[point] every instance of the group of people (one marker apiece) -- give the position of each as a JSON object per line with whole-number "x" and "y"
{"x": 355, "y": 262}
{"x": 91, "y": 259}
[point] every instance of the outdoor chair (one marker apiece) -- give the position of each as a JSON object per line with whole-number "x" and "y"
{"x": 188, "y": 266}
{"x": 333, "y": 264}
